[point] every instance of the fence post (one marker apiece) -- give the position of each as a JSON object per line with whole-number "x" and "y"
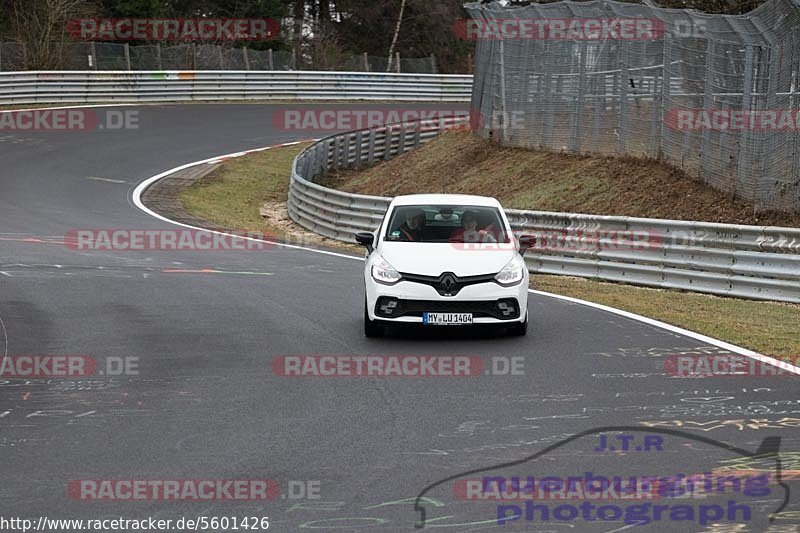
{"x": 221, "y": 58}
{"x": 269, "y": 59}
{"x": 655, "y": 105}
{"x": 128, "y": 55}
{"x": 768, "y": 150}
{"x": 622, "y": 130}
{"x": 744, "y": 157}
{"x": 246, "y": 59}
{"x": 398, "y": 62}
{"x": 158, "y": 56}
{"x": 548, "y": 118}
{"x": 503, "y": 114}
{"x": 93, "y": 51}
{"x": 1, "y": 57}
{"x": 434, "y": 68}
{"x": 708, "y": 98}
{"x": 575, "y": 141}
{"x": 366, "y": 62}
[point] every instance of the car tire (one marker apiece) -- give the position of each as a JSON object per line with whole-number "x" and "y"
{"x": 519, "y": 329}
{"x": 371, "y": 327}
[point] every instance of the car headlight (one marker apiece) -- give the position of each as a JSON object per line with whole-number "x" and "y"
{"x": 383, "y": 272}
{"x": 511, "y": 274}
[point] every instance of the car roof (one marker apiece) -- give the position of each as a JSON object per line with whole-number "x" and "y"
{"x": 453, "y": 199}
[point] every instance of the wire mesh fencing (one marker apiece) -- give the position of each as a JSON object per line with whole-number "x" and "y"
{"x": 716, "y": 95}
{"x": 192, "y": 56}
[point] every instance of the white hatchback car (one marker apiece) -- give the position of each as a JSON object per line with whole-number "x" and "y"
{"x": 445, "y": 259}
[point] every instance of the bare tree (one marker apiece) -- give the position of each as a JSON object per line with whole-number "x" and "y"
{"x": 40, "y": 26}
{"x": 396, "y": 35}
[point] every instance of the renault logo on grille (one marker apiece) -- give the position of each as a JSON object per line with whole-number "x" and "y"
{"x": 448, "y": 283}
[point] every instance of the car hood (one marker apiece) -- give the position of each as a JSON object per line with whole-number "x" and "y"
{"x": 431, "y": 259}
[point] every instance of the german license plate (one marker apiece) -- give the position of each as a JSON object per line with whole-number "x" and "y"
{"x": 446, "y": 319}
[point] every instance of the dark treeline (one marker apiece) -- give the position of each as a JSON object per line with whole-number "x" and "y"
{"x": 317, "y": 29}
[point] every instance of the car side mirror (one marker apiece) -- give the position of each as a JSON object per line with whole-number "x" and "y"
{"x": 526, "y": 241}
{"x": 365, "y": 238}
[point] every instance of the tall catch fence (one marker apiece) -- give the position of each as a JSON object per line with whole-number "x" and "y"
{"x": 716, "y": 95}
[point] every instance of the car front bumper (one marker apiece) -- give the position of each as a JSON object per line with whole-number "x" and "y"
{"x": 415, "y": 298}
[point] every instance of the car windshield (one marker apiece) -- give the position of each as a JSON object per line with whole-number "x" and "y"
{"x": 446, "y": 223}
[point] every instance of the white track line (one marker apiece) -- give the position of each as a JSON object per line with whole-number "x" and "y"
{"x": 137, "y": 200}
{"x": 680, "y": 331}
{"x": 80, "y": 107}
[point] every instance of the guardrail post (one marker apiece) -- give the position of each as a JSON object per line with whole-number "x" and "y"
{"x": 321, "y": 159}
{"x": 371, "y": 147}
{"x": 359, "y": 150}
{"x": 326, "y": 157}
{"x": 337, "y": 141}
{"x": 346, "y": 151}
{"x": 387, "y": 144}
{"x": 401, "y": 140}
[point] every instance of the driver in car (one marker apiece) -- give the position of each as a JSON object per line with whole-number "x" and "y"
{"x": 411, "y": 229}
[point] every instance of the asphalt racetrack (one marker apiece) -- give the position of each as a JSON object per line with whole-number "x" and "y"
{"x": 348, "y": 453}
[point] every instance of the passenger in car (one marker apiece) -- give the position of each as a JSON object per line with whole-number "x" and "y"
{"x": 469, "y": 231}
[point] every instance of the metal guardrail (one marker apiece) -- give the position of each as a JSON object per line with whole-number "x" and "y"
{"x": 758, "y": 262}
{"x": 87, "y": 87}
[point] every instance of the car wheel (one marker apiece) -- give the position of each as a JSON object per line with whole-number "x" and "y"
{"x": 371, "y": 328}
{"x": 519, "y": 329}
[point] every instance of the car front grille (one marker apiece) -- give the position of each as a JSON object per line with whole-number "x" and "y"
{"x": 502, "y": 309}
{"x": 448, "y": 284}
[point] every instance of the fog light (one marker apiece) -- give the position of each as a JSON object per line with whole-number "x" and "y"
{"x": 507, "y": 308}
{"x": 387, "y": 306}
